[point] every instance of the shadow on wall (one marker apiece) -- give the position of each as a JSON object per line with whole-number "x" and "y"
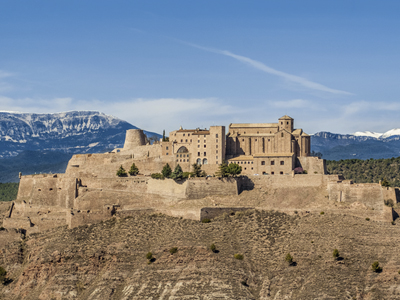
{"x": 245, "y": 184}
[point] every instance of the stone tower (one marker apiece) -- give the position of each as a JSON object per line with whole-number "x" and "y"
{"x": 134, "y": 138}
{"x": 286, "y": 122}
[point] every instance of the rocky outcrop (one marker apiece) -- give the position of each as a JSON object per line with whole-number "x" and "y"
{"x": 108, "y": 260}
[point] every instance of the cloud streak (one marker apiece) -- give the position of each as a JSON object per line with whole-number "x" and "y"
{"x": 260, "y": 66}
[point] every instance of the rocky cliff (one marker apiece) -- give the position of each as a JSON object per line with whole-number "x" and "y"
{"x": 108, "y": 260}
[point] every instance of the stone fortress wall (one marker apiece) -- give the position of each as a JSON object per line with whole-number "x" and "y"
{"x": 90, "y": 191}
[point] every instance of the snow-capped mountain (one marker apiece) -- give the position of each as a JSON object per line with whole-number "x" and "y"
{"x": 67, "y": 132}
{"x": 361, "y": 145}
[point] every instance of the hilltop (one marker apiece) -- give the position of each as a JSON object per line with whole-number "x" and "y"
{"x": 108, "y": 260}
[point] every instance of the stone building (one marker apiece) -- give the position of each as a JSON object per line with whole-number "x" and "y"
{"x": 270, "y": 148}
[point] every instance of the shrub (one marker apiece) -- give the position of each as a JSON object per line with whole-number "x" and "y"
{"x": 157, "y": 176}
{"x": 388, "y": 202}
{"x": 121, "y": 172}
{"x": 166, "y": 171}
{"x": 234, "y": 169}
{"x": 2, "y": 228}
{"x": 133, "y": 170}
{"x": 375, "y": 267}
{"x": 321, "y": 213}
{"x": 213, "y": 248}
{"x": 238, "y": 256}
{"x": 305, "y": 172}
{"x": 367, "y": 219}
{"x": 289, "y": 259}
{"x": 3, "y": 274}
{"x": 149, "y": 255}
{"x": 206, "y": 220}
{"x": 335, "y": 254}
{"x": 186, "y": 175}
{"x": 177, "y": 173}
{"x": 385, "y": 183}
{"x": 196, "y": 170}
{"x": 173, "y": 250}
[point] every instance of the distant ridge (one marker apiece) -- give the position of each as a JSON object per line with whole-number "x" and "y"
{"x": 67, "y": 132}
{"x": 360, "y": 145}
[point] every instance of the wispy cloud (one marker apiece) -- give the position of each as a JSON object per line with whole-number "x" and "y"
{"x": 260, "y": 66}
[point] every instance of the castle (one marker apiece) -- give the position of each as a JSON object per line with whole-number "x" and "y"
{"x": 273, "y": 157}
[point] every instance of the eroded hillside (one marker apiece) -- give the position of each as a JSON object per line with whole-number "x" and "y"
{"x": 108, "y": 260}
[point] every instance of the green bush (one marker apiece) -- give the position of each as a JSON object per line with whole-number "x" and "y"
{"x": 121, "y": 172}
{"x": 388, "y": 202}
{"x": 177, "y": 173}
{"x": 186, "y": 175}
{"x": 8, "y": 191}
{"x": 173, "y": 250}
{"x": 157, "y": 176}
{"x": 238, "y": 256}
{"x": 289, "y": 259}
{"x": 375, "y": 267}
{"x": 335, "y": 254}
{"x": 367, "y": 219}
{"x": 321, "y": 213}
{"x": 166, "y": 171}
{"x": 3, "y": 274}
{"x": 196, "y": 170}
{"x": 133, "y": 171}
{"x": 305, "y": 172}
{"x": 206, "y": 220}
{"x": 213, "y": 248}
{"x": 149, "y": 255}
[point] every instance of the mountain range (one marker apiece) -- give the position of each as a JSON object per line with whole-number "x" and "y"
{"x": 32, "y": 143}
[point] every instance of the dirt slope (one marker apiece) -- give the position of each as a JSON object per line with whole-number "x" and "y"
{"x": 108, "y": 260}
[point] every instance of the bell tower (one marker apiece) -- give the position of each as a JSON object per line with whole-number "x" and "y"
{"x": 286, "y": 122}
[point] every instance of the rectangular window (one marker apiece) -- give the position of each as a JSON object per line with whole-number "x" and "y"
{"x": 185, "y": 141}
{"x": 272, "y": 163}
{"x": 190, "y": 140}
{"x": 281, "y": 173}
{"x": 183, "y": 134}
{"x": 205, "y": 146}
{"x": 198, "y": 141}
{"x": 282, "y": 162}
{"x": 181, "y": 141}
{"x": 216, "y": 157}
{"x": 167, "y": 153}
{"x": 188, "y": 134}
{"x": 217, "y": 141}
{"x": 198, "y": 153}
{"x": 205, "y": 141}
{"x": 205, "y": 154}
{"x": 216, "y": 136}
{"x": 204, "y": 136}
{"x": 263, "y": 163}
{"x": 166, "y": 148}
{"x": 216, "y": 151}
{"x": 198, "y": 146}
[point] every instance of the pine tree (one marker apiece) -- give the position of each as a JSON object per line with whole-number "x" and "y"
{"x": 177, "y": 173}
{"x": 223, "y": 170}
{"x": 121, "y": 172}
{"x": 234, "y": 169}
{"x": 133, "y": 170}
{"x": 196, "y": 170}
{"x": 166, "y": 171}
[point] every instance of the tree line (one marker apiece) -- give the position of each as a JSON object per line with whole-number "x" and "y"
{"x": 8, "y": 191}
{"x": 367, "y": 171}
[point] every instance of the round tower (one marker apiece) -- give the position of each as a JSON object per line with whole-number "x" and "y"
{"x": 134, "y": 138}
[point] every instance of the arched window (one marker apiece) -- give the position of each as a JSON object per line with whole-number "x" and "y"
{"x": 205, "y": 161}
{"x": 183, "y": 149}
{"x": 198, "y": 161}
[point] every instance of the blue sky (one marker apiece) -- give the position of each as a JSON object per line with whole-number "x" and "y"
{"x": 331, "y": 65}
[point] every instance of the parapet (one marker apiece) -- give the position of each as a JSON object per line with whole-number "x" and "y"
{"x": 134, "y": 138}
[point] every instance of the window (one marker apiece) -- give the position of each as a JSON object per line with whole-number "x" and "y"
{"x": 198, "y": 153}
{"x": 217, "y": 141}
{"x": 281, "y": 123}
{"x": 257, "y": 132}
{"x": 188, "y": 134}
{"x": 204, "y": 135}
{"x": 245, "y": 168}
{"x": 198, "y": 161}
{"x": 205, "y": 161}
{"x": 180, "y": 155}
{"x": 268, "y": 140}
{"x": 263, "y": 163}
{"x": 185, "y": 141}
{"x": 204, "y": 141}
{"x": 216, "y": 136}
{"x": 183, "y": 134}
{"x": 177, "y": 155}
{"x": 216, "y": 146}
{"x": 287, "y": 123}
{"x": 282, "y": 134}
{"x": 216, "y": 157}
{"x": 281, "y": 172}
{"x": 198, "y": 146}
{"x": 198, "y": 141}
{"x": 190, "y": 140}
{"x": 181, "y": 141}
{"x": 183, "y": 160}
{"x": 180, "y": 160}
{"x": 205, "y": 154}
{"x": 244, "y": 162}
{"x": 272, "y": 173}
{"x": 272, "y": 162}
{"x": 167, "y": 153}
{"x": 205, "y": 146}
{"x": 216, "y": 152}
{"x": 166, "y": 148}
{"x": 256, "y": 140}
{"x": 177, "y": 160}
{"x": 242, "y": 140}
{"x": 282, "y": 162}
